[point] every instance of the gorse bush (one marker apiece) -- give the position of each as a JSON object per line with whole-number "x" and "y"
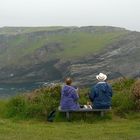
{"x": 122, "y": 101}
{"x": 47, "y": 98}
{"x": 123, "y": 84}
{"x": 37, "y": 104}
{"x": 136, "y": 93}
{"x": 16, "y": 106}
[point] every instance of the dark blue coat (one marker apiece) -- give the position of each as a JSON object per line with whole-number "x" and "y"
{"x": 100, "y": 95}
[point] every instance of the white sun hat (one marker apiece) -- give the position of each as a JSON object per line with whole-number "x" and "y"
{"x": 101, "y": 77}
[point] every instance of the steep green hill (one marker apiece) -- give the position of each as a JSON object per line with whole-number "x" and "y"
{"x": 47, "y": 43}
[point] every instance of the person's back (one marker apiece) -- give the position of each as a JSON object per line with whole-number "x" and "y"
{"x": 101, "y": 94}
{"x": 69, "y": 97}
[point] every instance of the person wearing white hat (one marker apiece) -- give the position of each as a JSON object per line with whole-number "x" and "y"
{"x": 101, "y": 93}
{"x": 101, "y": 77}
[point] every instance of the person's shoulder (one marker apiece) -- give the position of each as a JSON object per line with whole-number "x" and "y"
{"x": 66, "y": 87}
{"x": 108, "y": 84}
{"x": 69, "y": 87}
{"x": 101, "y": 84}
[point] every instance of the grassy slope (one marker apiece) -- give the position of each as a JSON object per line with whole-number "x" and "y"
{"x": 74, "y": 44}
{"x": 119, "y": 129}
{"x": 80, "y": 44}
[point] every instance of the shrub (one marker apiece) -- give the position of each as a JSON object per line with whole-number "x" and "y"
{"x": 16, "y": 106}
{"x": 3, "y": 104}
{"x": 83, "y": 96}
{"x": 37, "y": 104}
{"x": 136, "y": 93}
{"x": 34, "y": 110}
{"x": 122, "y": 101}
{"x": 123, "y": 84}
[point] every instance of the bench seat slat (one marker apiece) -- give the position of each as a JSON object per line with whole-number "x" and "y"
{"x": 85, "y": 110}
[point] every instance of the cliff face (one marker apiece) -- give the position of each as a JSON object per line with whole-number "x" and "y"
{"x": 81, "y": 53}
{"x": 118, "y": 60}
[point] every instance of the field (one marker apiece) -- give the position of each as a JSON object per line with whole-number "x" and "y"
{"x": 115, "y": 129}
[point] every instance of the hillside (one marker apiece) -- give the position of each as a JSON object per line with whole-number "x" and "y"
{"x": 34, "y": 54}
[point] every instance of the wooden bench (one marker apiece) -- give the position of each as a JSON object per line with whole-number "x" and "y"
{"x": 83, "y": 110}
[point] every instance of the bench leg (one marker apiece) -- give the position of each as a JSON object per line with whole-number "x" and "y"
{"x": 68, "y": 115}
{"x": 102, "y": 113}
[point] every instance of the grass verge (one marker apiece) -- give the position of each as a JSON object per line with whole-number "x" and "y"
{"x": 115, "y": 129}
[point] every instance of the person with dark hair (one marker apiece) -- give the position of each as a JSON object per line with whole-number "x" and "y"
{"x": 69, "y": 96}
{"x": 101, "y": 93}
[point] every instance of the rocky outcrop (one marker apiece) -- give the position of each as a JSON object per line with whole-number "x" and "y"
{"x": 118, "y": 60}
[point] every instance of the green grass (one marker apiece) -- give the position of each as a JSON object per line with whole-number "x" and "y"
{"x": 84, "y": 44}
{"x": 117, "y": 129}
{"x": 80, "y": 44}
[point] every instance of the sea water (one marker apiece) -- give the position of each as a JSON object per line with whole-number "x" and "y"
{"x": 10, "y": 89}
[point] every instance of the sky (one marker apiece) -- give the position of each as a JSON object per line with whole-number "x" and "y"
{"x": 119, "y": 13}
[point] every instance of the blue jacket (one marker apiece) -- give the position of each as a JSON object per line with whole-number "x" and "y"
{"x": 100, "y": 95}
{"x": 69, "y": 98}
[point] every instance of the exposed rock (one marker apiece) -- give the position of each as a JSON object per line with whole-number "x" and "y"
{"x": 119, "y": 59}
